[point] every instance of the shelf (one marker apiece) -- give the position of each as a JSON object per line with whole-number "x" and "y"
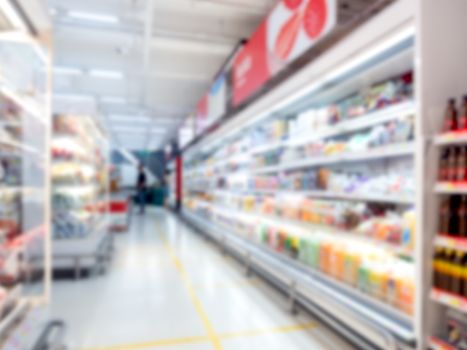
{"x": 456, "y": 302}
{"x": 20, "y": 146}
{"x": 391, "y": 151}
{"x": 77, "y": 190}
{"x": 310, "y": 280}
{"x": 451, "y": 138}
{"x": 451, "y": 242}
{"x": 438, "y": 344}
{"x": 270, "y": 146}
{"x": 9, "y": 320}
{"x": 297, "y": 225}
{"x": 451, "y": 187}
{"x": 29, "y": 108}
{"x": 348, "y": 126}
{"x": 380, "y": 198}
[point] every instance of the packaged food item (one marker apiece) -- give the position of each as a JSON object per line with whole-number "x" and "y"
{"x": 457, "y": 330}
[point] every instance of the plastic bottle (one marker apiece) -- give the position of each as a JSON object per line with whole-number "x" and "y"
{"x": 450, "y": 117}
{"x": 461, "y": 165}
{"x": 462, "y": 124}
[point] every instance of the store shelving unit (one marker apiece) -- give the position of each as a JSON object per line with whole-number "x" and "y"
{"x": 25, "y": 125}
{"x": 81, "y": 194}
{"x": 237, "y": 178}
{"x": 222, "y": 199}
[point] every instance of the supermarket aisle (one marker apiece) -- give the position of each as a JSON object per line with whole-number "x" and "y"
{"x": 170, "y": 289}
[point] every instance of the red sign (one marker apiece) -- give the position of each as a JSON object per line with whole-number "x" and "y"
{"x": 291, "y": 28}
{"x": 202, "y": 114}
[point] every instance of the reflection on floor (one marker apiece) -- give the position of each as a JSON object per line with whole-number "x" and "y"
{"x": 170, "y": 289}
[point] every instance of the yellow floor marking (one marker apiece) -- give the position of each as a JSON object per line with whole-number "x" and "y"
{"x": 155, "y": 344}
{"x": 211, "y": 333}
{"x": 224, "y": 336}
{"x": 274, "y": 330}
{"x": 230, "y": 284}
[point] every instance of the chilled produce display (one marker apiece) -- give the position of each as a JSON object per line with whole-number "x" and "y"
{"x": 330, "y": 187}
{"x": 330, "y": 118}
{"x": 396, "y": 132}
{"x": 79, "y": 176}
{"x": 346, "y": 256}
{"x": 24, "y": 214}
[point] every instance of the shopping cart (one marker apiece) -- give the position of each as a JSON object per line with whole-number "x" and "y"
{"x": 52, "y": 337}
{"x": 119, "y": 211}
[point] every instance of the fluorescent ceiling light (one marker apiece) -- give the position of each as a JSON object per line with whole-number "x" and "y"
{"x": 93, "y": 17}
{"x": 68, "y": 70}
{"x": 109, "y": 74}
{"x": 74, "y": 96}
{"x": 111, "y": 99}
{"x": 130, "y": 119}
{"x": 128, "y": 131}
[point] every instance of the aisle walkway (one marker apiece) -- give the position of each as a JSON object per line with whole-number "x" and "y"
{"x": 169, "y": 289}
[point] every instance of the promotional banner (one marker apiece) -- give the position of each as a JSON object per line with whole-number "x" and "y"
{"x": 212, "y": 106}
{"x": 187, "y": 132}
{"x": 201, "y": 118}
{"x": 293, "y": 27}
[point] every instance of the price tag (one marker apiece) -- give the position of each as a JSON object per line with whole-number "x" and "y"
{"x": 456, "y": 302}
{"x": 449, "y": 186}
{"x": 449, "y": 137}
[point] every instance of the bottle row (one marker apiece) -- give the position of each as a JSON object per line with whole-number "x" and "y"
{"x": 453, "y": 216}
{"x": 453, "y": 164}
{"x": 450, "y": 271}
{"x": 455, "y": 119}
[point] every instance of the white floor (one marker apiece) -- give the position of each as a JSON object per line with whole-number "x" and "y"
{"x": 168, "y": 288}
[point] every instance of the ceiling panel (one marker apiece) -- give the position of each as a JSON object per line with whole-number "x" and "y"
{"x": 168, "y": 55}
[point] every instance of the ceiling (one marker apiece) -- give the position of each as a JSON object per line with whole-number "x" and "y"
{"x": 144, "y": 64}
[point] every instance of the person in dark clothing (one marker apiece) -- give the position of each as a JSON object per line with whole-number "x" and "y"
{"x": 141, "y": 188}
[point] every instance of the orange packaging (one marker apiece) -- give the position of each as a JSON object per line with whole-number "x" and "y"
{"x": 325, "y": 257}
{"x": 351, "y": 263}
{"x": 405, "y": 295}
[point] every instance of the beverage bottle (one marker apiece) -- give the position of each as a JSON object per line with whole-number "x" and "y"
{"x": 452, "y": 164}
{"x": 450, "y": 117}
{"x": 456, "y": 279}
{"x": 454, "y": 217}
{"x": 437, "y": 267}
{"x": 449, "y": 260}
{"x": 462, "y": 123}
{"x": 464, "y": 276}
{"x": 443, "y": 165}
{"x": 461, "y": 165}
{"x": 443, "y": 228}
{"x": 463, "y": 217}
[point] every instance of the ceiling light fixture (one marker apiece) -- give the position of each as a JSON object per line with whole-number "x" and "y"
{"x": 113, "y": 99}
{"x": 130, "y": 119}
{"x": 136, "y": 130}
{"x": 73, "y": 96}
{"x": 68, "y": 70}
{"x": 93, "y": 17}
{"x": 109, "y": 74}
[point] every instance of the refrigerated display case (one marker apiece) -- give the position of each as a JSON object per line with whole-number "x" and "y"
{"x": 80, "y": 174}
{"x": 25, "y": 78}
{"x": 327, "y": 185}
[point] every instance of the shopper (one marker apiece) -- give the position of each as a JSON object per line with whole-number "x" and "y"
{"x": 141, "y": 188}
